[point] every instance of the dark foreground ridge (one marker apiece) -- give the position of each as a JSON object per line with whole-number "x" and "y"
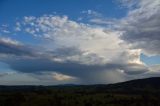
{"x": 140, "y": 92}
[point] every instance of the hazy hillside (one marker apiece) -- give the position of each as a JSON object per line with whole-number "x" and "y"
{"x": 141, "y": 92}
{"x": 138, "y": 84}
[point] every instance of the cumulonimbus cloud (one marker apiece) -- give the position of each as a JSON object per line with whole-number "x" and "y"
{"x": 84, "y": 52}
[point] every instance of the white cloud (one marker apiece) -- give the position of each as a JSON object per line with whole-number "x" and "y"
{"x": 3, "y": 74}
{"x": 62, "y": 77}
{"x": 5, "y": 29}
{"x": 141, "y": 27}
{"x": 128, "y": 3}
{"x": 92, "y": 13}
{"x": 9, "y": 41}
{"x": 76, "y": 50}
{"x": 97, "y": 45}
{"x": 17, "y": 27}
{"x": 100, "y": 21}
{"x": 66, "y": 40}
{"x": 155, "y": 68}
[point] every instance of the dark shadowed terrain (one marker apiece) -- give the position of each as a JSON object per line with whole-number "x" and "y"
{"x": 141, "y": 92}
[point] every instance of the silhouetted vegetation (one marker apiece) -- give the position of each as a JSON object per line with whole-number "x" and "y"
{"x": 144, "y": 92}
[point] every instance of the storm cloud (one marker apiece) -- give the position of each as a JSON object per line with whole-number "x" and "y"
{"x": 141, "y": 27}
{"x": 12, "y": 47}
{"x": 67, "y": 50}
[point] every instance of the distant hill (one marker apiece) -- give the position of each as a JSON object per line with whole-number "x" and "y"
{"x": 140, "y": 92}
{"x": 138, "y": 84}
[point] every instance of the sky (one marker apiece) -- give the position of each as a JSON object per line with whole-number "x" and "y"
{"x": 52, "y": 42}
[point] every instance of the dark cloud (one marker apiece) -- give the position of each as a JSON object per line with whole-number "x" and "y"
{"x": 141, "y": 27}
{"x": 134, "y": 69}
{"x": 43, "y": 64}
{"x": 84, "y": 72}
{"x": 66, "y": 51}
{"x": 40, "y": 63}
{"x": 14, "y": 49}
{"x": 3, "y": 74}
